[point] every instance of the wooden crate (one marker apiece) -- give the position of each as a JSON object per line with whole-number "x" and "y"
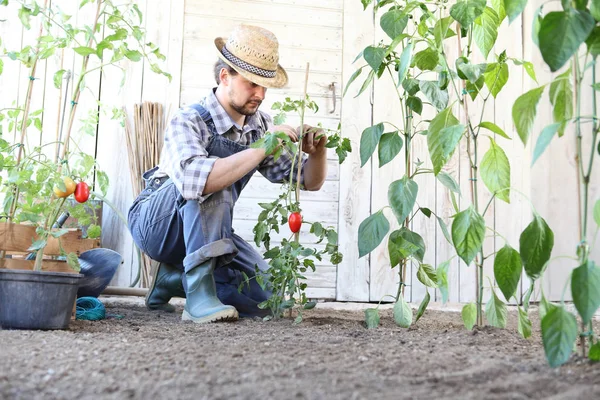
{"x": 15, "y": 239}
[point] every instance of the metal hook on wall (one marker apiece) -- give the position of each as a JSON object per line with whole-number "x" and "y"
{"x": 332, "y": 88}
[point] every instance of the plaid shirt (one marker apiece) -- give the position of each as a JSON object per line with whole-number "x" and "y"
{"x": 184, "y": 157}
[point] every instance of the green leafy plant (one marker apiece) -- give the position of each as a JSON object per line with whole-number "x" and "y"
{"x": 414, "y": 60}
{"x": 37, "y": 180}
{"x": 290, "y": 260}
{"x": 577, "y": 50}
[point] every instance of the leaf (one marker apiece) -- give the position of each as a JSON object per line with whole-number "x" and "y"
{"x": 530, "y": 70}
{"x": 507, "y": 270}
{"x": 119, "y": 34}
{"x": 58, "y": 77}
{"x": 436, "y": 96}
{"x": 84, "y": 51}
{"x": 427, "y": 276}
{"x": 405, "y": 60}
{"x": 495, "y": 311}
{"x": 134, "y": 55}
{"x": 597, "y": 212}
{"x": 469, "y": 315}
{"x": 545, "y": 306}
{"x": 374, "y": 56}
{"x": 1, "y": 66}
{"x": 524, "y": 323}
{"x": 561, "y": 34}
{"x": 524, "y": 111}
{"x": 468, "y": 232}
{"x": 544, "y": 140}
{"x": 466, "y": 11}
{"x": 393, "y": 23}
{"x": 310, "y": 305}
{"x": 559, "y": 332}
{"x": 595, "y": 9}
{"x": 38, "y": 244}
{"x": 372, "y": 318}
{"x": 415, "y": 104}
{"x": 514, "y": 8}
{"x": 423, "y": 306}
{"x": 352, "y": 79}
{"x": 442, "y": 30}
{"x": 585, "y": 288}
{"x": 496, "y": 77}
{"x": 444, "y": 229}
{"x": 469, "y": 71}
{"x": 426, "y": 60}
{"x": 402, "y": 195}
{"x": 494, "y": 128}
{"x": 485, "y": 30}
{"x": 498, "y": 6}
{"x": 402, "y": 313}
{"x": 371, "y": 232}
{"x": 594, "y": 354}
{"x": 495, "y": 171}
{"x": 442, "y": 280}
{"x": 561, "y": 97}
{"x": 390, "y": 145}
{"x": 404, "y": 243}
{"x": 73, "y": 262}
{"x": 535, "y": 246}
{"x": 442, "y": 144}
{"x": 369, "y": 141}
{"x": 448, "y": 181}
{"x": 593, "y": 42}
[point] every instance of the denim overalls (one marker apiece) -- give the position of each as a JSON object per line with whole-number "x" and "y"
{"x": 186, "y": 233}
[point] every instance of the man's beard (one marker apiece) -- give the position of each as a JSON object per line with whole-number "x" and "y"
{"x": 246, "y": 109}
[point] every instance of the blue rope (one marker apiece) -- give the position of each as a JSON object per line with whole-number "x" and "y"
{"x": 90, "y": 309}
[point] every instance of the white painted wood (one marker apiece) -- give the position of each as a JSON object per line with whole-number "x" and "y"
{"x": 205, "y": 28}
{"x": 354, "y": 204}
{"x": 241, "y": 11}
{"x": 113, "y": 159}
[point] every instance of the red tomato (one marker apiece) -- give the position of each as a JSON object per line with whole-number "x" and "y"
{"x": 82, "y": 192}
{"x": 295, "y": 221}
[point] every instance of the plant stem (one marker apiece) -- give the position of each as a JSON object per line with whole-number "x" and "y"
{"x": 582, "y": 215}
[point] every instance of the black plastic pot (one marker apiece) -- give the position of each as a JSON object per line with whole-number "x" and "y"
{"x": 36, "y": 299}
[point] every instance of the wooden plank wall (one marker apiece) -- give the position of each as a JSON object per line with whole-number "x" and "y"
{"x": 308, "y": 31}
{"x": 328, "y": 34}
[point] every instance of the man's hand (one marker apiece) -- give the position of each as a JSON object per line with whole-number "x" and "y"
{"x": 288, "y": 130}
{"x": 314, "y": 140}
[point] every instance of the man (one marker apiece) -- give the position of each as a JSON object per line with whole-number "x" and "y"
{"x": 183, "y": 218}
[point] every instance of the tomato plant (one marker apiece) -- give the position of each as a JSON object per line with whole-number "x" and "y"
{"x": 290, "y": 259}
{"x": 36, "y": 181}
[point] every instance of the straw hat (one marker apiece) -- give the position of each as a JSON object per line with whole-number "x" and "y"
{"x": 254, "y": 53}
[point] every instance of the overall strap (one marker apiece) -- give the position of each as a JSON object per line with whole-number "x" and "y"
{"x": 204, "y": 113}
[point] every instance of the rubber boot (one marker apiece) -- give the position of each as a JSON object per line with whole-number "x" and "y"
{"x": 166, "y": 283}
{"x": 202, "y": 304}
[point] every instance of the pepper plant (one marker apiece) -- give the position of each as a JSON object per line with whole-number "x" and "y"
{"x": 37, "y": 180}
{"x": 414, "y": 59}
{"x": 290, "y": 260}
{"x": 575, "y": 55}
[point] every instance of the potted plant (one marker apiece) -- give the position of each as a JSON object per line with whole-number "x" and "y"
{"x": 44, "y": 173}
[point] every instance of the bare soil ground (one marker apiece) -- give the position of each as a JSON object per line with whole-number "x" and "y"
{"x": 331, "y": 355}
